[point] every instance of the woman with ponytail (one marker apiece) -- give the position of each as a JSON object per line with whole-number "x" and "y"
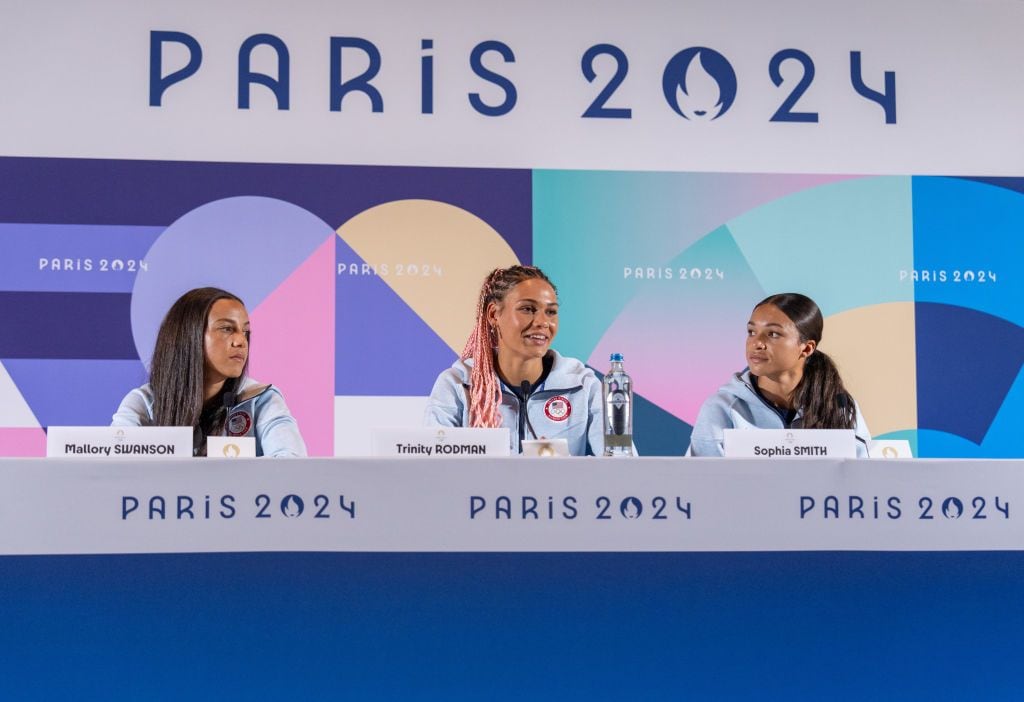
{"x": 197, "y": 379}
{"x": 509, "y": 376}
{"x": 788, "y": 383}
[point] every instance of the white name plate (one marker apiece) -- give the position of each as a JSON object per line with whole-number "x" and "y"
{"x": 790, "y": 443}
{"x": 119, "y": 442}
{"x": 890, "y": 448}
{"x": 230, "y": 447}
{"x": 440, "y": 442}
{"x": 546, "y": 448}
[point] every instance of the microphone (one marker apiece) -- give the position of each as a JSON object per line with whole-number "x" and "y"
{"x": 228, "y": 400}
{"x": 525, "y": 389}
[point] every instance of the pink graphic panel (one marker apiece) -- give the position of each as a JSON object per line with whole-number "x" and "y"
{"x": 22, "y": 441}
{"x": 293, "y": 342}
{"x": 666, "y": 365}
{"x": 683, "y": 338}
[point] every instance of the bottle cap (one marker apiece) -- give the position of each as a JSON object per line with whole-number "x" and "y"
{"x": 615, "y": 357}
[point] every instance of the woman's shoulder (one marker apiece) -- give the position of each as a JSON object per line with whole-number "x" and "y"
{"x": 455, "y": 375}
{"x": 738, "y": 390}
{"x": 567, "y": 366}
{"x": 144, "y": 391}
{"x": 264, "y": 401}
{"x": 252, "y": 388}
{"x": 136, "y": 408}
{"x": 447, "y": 403}
{"x": 137, "y": 397}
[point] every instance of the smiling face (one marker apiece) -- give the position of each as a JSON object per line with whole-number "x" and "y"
{"x": 774, "y": 347}
{"x": 226, "y": 343}
{"x": 526, "y": 321}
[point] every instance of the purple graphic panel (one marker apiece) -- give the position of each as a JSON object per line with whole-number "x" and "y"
{"x": 96, "y": 251}
{"x": 246, "y": 245}
{"x": 396, "y": 339}
{"x": 65, "y": 325}
{"x": 73, "y": 258}
{"x": 79, "y": 191}
{"x": 74, "y": 392}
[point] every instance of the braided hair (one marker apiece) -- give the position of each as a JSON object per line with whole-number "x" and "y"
{"x": 483, "y": 377}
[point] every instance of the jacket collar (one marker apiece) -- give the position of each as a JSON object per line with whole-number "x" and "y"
{"x": 562, "y": 378}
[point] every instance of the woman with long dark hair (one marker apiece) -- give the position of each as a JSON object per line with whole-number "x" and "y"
{"x": 509, "y": 376}
{"x": 198, "y": 379}
{"x": 788, "y": 383}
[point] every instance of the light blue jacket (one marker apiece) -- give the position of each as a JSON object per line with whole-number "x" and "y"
{"x": 262, "y": 414}
{"x": 737, "y": 405}
{"x": 567, "y": 405}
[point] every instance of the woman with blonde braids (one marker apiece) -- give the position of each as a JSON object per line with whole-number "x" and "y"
{"x": 509, "y": 376}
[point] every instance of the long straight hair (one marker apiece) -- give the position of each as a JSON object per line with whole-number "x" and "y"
{"x": 820, "y": 394}
{"x": 482, "y": 342}
{"x": 178, "y": 370}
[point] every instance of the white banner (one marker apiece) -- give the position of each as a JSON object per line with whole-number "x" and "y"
{"x": 877, "y": 87}
{"x": 58, "y": 506}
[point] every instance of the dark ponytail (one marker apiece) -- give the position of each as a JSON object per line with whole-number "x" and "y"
{"x": 820, "y": 394}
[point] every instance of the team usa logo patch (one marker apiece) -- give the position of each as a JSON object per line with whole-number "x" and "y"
{"x": 239, "y": 423}
{"x": 558, "y": 408}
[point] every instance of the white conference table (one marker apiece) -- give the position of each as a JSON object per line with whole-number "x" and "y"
{"x": 93, "y": 506}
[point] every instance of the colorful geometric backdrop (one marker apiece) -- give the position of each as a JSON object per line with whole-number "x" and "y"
{"x": 361, "y": 285}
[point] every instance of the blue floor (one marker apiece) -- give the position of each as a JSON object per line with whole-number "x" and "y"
{"x": 684, "y": 626}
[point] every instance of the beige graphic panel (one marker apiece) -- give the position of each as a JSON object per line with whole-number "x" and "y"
{"x": 434, "y": 256}
{"x": 875, "y": 350}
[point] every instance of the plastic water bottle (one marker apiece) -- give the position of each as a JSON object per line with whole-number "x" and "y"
{"x": 618, "y": 410}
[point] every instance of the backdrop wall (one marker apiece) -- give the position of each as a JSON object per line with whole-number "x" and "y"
{"x": 353, "y": 171}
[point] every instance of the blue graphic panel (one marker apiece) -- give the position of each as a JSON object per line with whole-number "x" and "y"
{"x": 1014, "y": 184}
{"x": 1001, "y": 441}
{"x": 842, "y": 243}
{"x": 589, "y": 225}
{"x": 677, "y": 626}
{"x": 1004, "y": 434}
{"x": 966, "y": 363}
{"x": 967, "y": 246}
{"x": 657, "y": 432}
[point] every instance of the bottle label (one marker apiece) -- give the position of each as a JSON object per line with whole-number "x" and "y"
{"x": 618, "y": 440}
